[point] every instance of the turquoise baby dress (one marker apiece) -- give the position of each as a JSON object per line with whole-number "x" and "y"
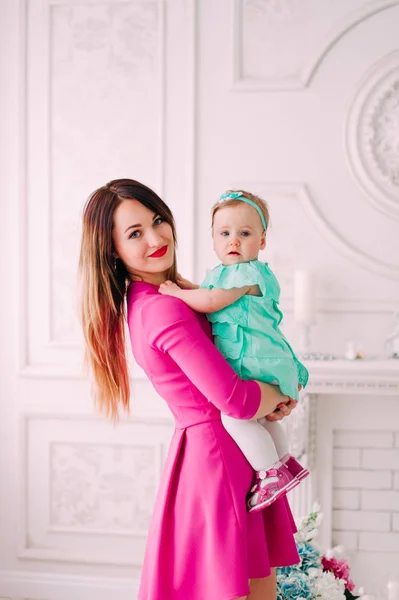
{"x": 247, "y": 332}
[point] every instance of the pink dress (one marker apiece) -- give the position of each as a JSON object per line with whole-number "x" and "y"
{"x": 202, "y": 543}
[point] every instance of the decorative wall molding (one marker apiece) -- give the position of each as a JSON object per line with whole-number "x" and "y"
{"x": 25, "y": 584}
{"x": 98, "y": 488}
{"x": 371, "y": 134}
{"x": 50, "y": 340}
{"x": 312, "y": 428}
{"x": 385, "y": 387}
{"x": 302, "y": 76}
{"x": 301, "y": 432}
{"x": 300, "y": 192}
{"x": 81, "y": 475}
{"x": 125, "y": 38}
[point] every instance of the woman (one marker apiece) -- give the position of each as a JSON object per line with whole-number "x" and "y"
{"x": 202, "y": 543}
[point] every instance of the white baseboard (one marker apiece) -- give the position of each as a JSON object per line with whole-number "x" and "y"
{"x": 48, "y": 586}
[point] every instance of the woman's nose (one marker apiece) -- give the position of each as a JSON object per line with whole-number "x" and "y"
{"x": 153, "y": 238}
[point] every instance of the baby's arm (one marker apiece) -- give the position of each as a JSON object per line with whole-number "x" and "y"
{"x": 202, "y": 299}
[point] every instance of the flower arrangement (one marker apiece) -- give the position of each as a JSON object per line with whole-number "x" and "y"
{"x": 317, "y": 576}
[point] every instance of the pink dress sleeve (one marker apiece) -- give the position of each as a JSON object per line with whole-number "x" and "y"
{"x": 172, "y": 327}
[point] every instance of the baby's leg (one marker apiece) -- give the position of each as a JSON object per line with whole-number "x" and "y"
{"x": 280, "y": 440}
{"x": 272, "y": 479}
{"x": 278, "y": 436}
{"x": 254, "y": 441}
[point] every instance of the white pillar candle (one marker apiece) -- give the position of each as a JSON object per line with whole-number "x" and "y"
{"x": 304, "y": 298}
{"x": 393, "y": 590}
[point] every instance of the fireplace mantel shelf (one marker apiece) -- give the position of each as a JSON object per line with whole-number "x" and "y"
{"x": 363, "y": 376}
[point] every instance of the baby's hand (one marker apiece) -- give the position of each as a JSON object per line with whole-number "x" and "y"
{"x": 169, "y": 288}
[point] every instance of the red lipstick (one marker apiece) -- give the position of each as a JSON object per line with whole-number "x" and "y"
{"x": 160, "y": 252}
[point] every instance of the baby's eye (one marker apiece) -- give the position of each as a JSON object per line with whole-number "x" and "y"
{"x": 158, "y": 221}
{"x": 245, "y": 233}
{"x": 134, "y": 234}
{"x": 224, "y": 233}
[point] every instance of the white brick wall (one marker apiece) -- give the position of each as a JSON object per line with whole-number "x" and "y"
{"x": 349, "y": 539}
{"x": 346, "y": 499}
{"x": 380, "y": 500}
{"x": 362, "y": 479}
{"x": 364, "y": 439}
{"x": 381, "y": 459}
{"x": 361, "y": 520}
{"x": 347, "y": 457}
{"x": 379, "y": 542}
{"x": 366, "y": 490}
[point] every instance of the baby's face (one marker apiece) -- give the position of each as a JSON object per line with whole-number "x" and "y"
{"x": 238, "y": 234}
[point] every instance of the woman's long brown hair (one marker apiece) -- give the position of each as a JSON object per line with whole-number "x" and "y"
{"x": 103, "y": 286}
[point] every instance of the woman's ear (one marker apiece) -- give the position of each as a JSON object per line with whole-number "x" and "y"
{"x": 263, "y": 241}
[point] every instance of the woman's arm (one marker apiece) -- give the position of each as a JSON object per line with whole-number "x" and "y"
{"x": 171, "y": 327}
{"x": 204, "y": 300}
{"x": 283, "y": 409}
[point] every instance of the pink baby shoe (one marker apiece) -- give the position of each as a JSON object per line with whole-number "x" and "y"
{"x": 269, "y": 486}
{"x": 295, "y": 468}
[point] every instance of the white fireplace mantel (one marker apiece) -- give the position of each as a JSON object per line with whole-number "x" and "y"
{"x": 361, "y": 376}
{"x": 324, "y": 411}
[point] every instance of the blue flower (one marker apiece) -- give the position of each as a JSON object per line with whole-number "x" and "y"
{"x": 287, "y": 571}
{"x": 294, "y": 587}
{"x": 310, "y": 557}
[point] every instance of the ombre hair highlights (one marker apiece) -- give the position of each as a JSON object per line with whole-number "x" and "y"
{"x": 103, "y": 283}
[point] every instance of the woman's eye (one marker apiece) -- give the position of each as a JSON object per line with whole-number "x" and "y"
{"x": 134, "y": 234}
{"x": 158, "y": 221}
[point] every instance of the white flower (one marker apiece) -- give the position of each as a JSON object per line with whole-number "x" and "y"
{"x": 326, "y": 587}
{"x": 308, "y": 526}
{"x": 336, "y": 552}
{"x": 313, "y": 573}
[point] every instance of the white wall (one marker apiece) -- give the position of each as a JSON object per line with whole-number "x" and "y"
{"x": 294, "y": 100}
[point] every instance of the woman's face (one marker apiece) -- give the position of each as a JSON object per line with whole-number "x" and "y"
{"x": 143, "y": 241}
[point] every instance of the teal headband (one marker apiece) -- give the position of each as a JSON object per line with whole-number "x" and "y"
{"x": 239, "y": 196}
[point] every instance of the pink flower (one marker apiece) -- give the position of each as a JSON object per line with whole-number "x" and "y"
{"x": 340, "y": 569}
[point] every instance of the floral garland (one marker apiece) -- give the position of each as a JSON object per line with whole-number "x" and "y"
{"x": 317, "y": 576}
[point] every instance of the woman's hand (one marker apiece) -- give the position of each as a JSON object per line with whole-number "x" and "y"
{"x": 271, "y": 398}
{"x": 284, "y": 409}
{"x": 185, "y": 284}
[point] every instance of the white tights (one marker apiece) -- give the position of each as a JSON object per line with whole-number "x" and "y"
{"x": 262, "y": 442}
